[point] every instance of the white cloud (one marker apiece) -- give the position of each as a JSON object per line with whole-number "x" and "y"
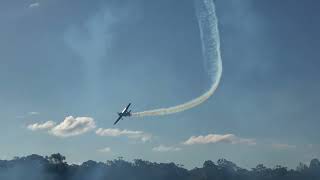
{"x": 73, "y": 126}
{"x": 216, "y": 138}
{"x": 105, "y": 150}
{"x": 283, "y": 146}
{"x": 130, "y": 134}
{"x": 163, "y": 148}
{"x": 34, "y": 5}
{"x": 41, "y": 126}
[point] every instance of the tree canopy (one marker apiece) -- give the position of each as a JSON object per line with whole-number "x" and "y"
{"x": 54, "y": 167}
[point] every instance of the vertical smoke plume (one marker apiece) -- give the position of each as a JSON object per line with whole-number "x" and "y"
{"x": 92, "y": 41}
{"x": 209, "y": 33}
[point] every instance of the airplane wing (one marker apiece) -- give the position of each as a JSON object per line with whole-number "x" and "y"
{"x": 126, "y": 109}
{"x": 117, "y": 120}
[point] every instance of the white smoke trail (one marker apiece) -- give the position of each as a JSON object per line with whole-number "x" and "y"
{"x": 209, "y": 33}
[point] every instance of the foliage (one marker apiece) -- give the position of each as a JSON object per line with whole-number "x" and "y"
{"x": 54, "y": 167}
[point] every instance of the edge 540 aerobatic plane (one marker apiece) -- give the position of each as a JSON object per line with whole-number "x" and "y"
{"x": 124, "y": 113}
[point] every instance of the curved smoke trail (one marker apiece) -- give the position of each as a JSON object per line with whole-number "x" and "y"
{"x": 209, "y": 33}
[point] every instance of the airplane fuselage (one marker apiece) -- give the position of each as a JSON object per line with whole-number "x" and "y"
{"x": 124, "y": 113}
{"x": 128, "y": 113}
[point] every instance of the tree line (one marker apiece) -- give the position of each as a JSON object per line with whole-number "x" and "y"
{"x": 54, "y": 167}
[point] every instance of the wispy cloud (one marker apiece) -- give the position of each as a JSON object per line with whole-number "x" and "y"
{"x": 216, "y": 138}
{"x": 283, "y": 146}
{"x": 130, "y": 134}
{"x": 41, "y": 126}
{"x": 163, "y": 148}
{"x": 34, "y": 5}
{"x": 32, "y": 113}
{"x": 105, "y": 150}
{"x": 69, "y": 127}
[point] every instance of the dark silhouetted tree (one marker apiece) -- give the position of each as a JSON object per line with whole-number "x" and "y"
{"x": 54, "y": 167}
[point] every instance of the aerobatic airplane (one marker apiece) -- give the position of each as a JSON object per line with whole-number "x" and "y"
{"x": 124, "y": 113}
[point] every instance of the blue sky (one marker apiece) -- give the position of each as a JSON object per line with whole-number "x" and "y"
{"x": 89, "y": 59}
